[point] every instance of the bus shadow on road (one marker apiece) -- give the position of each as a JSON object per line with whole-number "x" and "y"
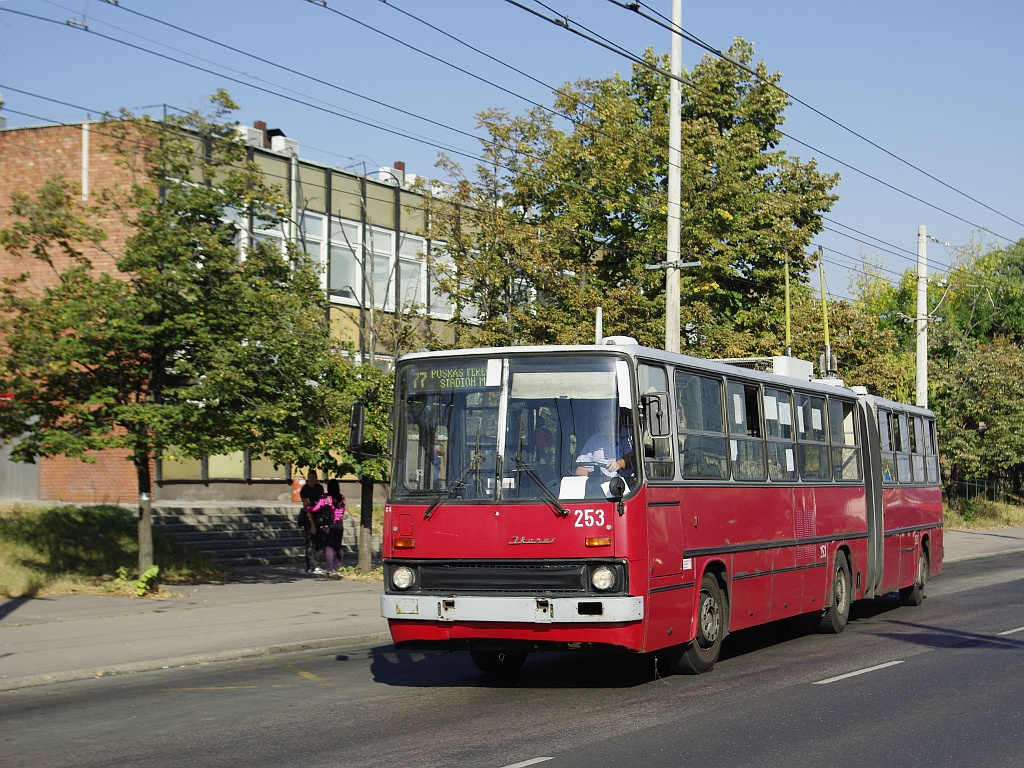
{"x": 591, "y": 669}
{"x": 775, "y": 633}
{"x": 573, "y": 669}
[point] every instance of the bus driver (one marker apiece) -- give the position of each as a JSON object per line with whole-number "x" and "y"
{"x": 608, "y": 450}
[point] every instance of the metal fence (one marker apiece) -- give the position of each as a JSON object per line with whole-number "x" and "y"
{"x": 991, "y": 489}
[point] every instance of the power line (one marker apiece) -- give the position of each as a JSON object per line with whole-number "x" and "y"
{"x": 263, "y": 89}
{"x": 429, "y": 55}
{"x": 290, "y": 70}
{"x": 203, "y": 69}
{"x": 855, "y": 264}
{"x": 568, "y": 24}
{"x": 667, "y": 24}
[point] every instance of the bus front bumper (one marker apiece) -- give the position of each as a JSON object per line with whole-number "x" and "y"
{"x": 528, "y": 610}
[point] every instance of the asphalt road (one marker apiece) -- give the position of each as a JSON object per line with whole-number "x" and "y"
{"x": 940, "y": 685}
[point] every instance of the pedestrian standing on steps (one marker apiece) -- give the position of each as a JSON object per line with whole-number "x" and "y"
{"x": 310, "y": 494}
{"x": 336, "y": 527}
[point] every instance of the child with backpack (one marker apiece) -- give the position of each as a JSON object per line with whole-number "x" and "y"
{"x": 334, "y": 503}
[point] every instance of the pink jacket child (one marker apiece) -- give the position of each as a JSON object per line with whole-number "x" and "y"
{"x": 333, "y": 524}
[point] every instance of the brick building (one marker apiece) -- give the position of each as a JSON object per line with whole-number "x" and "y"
{"x": 366, "y": 235}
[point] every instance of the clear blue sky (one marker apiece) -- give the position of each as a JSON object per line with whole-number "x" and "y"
{"x": 937, "y": 83}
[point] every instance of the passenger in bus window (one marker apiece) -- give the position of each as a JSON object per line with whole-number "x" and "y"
{"x": 607, "y": 453}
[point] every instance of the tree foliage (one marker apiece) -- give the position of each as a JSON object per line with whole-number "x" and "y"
{"x": 976, "y": 348}
{"x": 980, "y": 407}
{"x": 562, "y": 220}
{"x": 183, "y": 349}
{"x": 975, "y": 355}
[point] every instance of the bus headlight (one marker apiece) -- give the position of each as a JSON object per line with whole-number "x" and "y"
{"x": 603, "y": 578}
{"x": 403, "y": 577}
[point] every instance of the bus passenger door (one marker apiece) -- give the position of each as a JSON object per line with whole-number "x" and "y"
{"x": 671, "y": 578}
{"x": 664, "y": 531}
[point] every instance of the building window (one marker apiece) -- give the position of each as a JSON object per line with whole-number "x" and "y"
{"x": 412, "y": 269}
{"x": 239, "y": 466}
{"x": 311, "y": 241}
{"x": 346, "y": 277}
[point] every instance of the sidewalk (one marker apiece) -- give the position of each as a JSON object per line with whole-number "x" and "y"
{"x": 268, "y": 610}
{"x": 274, "y": 609}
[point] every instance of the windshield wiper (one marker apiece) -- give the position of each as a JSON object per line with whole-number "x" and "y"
{"x": 457, "y": 485}
{"x": 522, "y": 466}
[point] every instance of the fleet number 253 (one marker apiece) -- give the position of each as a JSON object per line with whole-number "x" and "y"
{"x": 589, "y": 518}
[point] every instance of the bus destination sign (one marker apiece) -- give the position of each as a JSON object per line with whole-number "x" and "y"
{"x": 448, "y": 378}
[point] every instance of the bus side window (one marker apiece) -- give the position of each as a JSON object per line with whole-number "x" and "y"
{"x": 917, "y": 447}
{"x": 888, "y": 452}
{"x": 933, "y": 459}
{"x": 778, "y": 421}
{"x": 903, "y": 449}
{"x": 812, "y": 439}
{"x": 843, "y": 434}
{"x": 657, "y": 451}
{"x": 701, "y": 423}
{"x": 745, "y": 443}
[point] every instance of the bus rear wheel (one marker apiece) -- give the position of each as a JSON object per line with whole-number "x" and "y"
{"x": 498, "y": 663}
{"x": 700, "y": 655}
{"x": 914, "y": 595}
{"x": 834, "y": 619}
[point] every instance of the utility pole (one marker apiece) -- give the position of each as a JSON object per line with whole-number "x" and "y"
{"x": 675, "y": 130}
{"x": 789, "y": 335}
{"x": 922, "y": 317}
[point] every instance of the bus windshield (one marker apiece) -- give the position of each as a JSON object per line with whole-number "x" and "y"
{"x": 518, "y": 428}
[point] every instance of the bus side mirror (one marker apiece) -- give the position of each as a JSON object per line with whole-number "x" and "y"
{"x": 356, "y": 422}
{"x": 656, "y": 415}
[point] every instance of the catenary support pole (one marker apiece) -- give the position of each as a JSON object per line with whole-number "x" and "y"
{"x": 922, "y": 317}
{"x": 675, "y": 129}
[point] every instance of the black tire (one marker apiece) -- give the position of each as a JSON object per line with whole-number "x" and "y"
{"x": 914, "y": 595}
{"x": 700, "y": 656}
{"x": 498, "y": 663}
{"x": 833, "y": 620}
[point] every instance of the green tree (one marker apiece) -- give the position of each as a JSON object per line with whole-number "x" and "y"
{"x": 976, "y": 350}
{"x": 980, "y": 406}
{"x": 982, "y": 297}
{"x": 186, "y": 349}
{"x": 559, "y": 222}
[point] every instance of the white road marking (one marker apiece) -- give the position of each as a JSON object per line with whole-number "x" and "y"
{"x": 858, "y": 672}
{"x": 1011, "y": 631}
{"x": 529, "y": 762}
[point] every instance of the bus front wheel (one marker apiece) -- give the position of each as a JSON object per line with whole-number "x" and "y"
{"x": 833, "y": 620}
{"x": 498, "y": 663}
{"x": 700, "y": 655}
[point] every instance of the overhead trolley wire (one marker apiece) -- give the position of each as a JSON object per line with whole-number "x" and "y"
{"x": 290, "y": 70}
{"x": 263, "y": 89}
{"x": 574, "y": 27}
{"x": 667, "y": 24}
{"x": 854, "y": 264}
{"x": 618, "y": 50}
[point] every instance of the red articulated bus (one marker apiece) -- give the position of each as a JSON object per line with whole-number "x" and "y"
{"x": 623, "y": 498}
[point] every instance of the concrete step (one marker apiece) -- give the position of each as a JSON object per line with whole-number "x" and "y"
{"x": 237, "y": 535}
